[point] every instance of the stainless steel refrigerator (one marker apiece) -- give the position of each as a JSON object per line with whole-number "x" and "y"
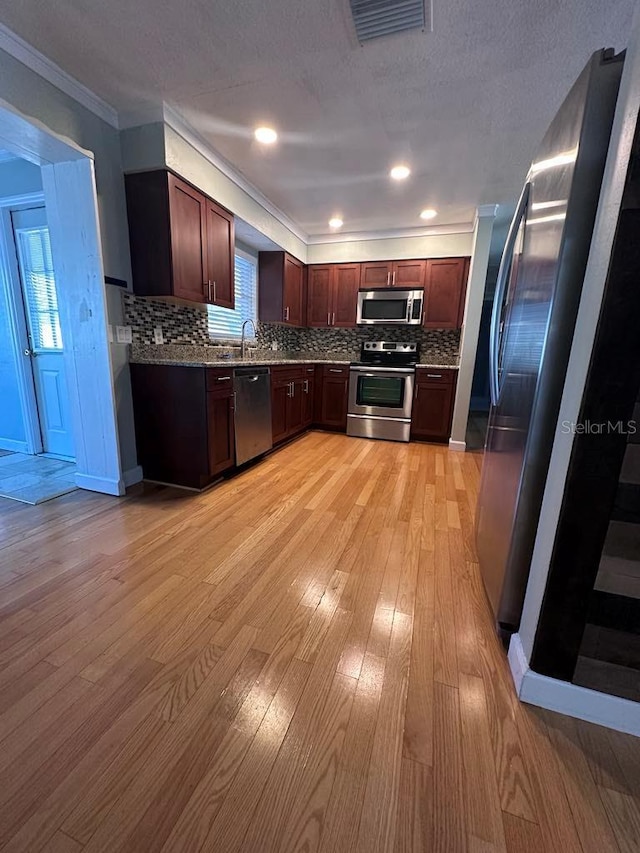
{"x": 534, "y": 312}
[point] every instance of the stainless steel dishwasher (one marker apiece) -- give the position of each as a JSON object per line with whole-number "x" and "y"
{"x": 252, "y": 387}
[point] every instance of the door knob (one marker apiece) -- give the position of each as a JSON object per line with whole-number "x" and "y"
{"x": 29, "y": 352}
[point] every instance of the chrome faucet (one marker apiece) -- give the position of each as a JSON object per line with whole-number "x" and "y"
{"x": 243, "y": 342}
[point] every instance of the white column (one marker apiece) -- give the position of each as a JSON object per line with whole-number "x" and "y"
{"x": 70, "y": 199}
{"x": 483, "y": 230}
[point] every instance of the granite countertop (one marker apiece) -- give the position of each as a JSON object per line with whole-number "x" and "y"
{"x": 189, "y": 355}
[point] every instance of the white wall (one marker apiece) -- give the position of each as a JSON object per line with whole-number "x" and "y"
{"x": 434, "y": 245}
{"x": 39, "y": 100}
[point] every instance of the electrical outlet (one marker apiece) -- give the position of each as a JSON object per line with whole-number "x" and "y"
{"x": 123, "y": 334}
{"x": 274, "y": 346}
{"x": 158, "y": 337}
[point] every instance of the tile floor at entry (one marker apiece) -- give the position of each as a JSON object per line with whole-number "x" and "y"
{"x": 301, "y": 658}
{"x": 34, "y": 479}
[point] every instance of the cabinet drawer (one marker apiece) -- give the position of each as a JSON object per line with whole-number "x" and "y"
{"x": 335, "y": 370}
{"x": 219, "y": 378}
{"x": 287, "y": 371}
{"x": 434, "y": 375}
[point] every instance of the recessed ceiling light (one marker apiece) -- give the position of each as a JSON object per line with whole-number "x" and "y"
{"x": 267, "y": 135}
{"x": 399, "y": 173}
{"x": 335, "y": 222}
{"x": 428, "y": 213}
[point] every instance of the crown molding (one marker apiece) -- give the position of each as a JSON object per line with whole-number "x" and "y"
{"x": 182, "y": 127}
{"x": 52, "y": 73}
{"x": 391, "y": 234}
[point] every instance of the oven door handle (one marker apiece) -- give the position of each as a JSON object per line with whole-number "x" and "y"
{"x": 394, "y": 371}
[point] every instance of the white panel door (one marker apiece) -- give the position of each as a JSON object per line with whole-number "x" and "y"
{"x": 43, "y": 326}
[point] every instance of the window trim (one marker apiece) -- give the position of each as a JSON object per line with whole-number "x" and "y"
{"x": 231, "y": 338}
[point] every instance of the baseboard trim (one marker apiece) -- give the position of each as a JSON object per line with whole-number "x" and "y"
{"x": 459, "y": 446}
{"x": 100, "y": 484}
{"x": 132, "y": 476}
{"x": 623, "y": 715}
{"x": 13, "y": 446}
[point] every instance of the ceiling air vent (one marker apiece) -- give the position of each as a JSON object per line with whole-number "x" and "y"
{"x": 376, "y": 18}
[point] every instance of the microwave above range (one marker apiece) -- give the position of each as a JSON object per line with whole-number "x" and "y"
{"x": 386, "y": 306}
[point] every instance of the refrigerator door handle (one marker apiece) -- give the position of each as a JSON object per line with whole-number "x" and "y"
{"x": 501, "y": 284}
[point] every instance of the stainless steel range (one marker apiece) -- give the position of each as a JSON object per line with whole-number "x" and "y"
{"x": 381, "y": 390}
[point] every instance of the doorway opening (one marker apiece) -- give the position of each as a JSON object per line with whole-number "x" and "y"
{"x": 56, "y": 375}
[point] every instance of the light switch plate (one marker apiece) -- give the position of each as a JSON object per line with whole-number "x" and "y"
{"x": 123, "y": 334}
{"x": 158, "y": 337}
{"x": 274, "y": 345}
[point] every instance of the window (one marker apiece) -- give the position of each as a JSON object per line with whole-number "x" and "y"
{"x": 227, "y": 324}
{"x": 36, "y": 267}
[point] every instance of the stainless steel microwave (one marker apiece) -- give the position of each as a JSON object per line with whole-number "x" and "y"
{"x": 386, "y": 306}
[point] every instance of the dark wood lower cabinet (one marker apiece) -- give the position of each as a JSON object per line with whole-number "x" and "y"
{"x": 288, "y": 401}
{"x": 221, "y": 431}
{"x": 184, "y": 423}
{"x": 309, "y": 395}
{"x": 433, "y": 404}
{"x": 332, "y": 397}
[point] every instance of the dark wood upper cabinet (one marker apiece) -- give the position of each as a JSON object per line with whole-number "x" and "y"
{"x": 220, "y": 255}
{"x": 376, "y": 274}
{"x": 319, "y": 295}
{"x": 445, "y": 292}
{"x": 180, "y": 240}
{"x": 408, "y": 274}
{"x": 332, "y": 295}
{"x": 281, "y": 285}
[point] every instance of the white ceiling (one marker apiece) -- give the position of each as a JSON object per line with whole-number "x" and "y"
{"x": 464, "y": 105}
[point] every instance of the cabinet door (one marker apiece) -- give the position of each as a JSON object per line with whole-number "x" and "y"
{"x": 444, "y": 290}
{"x": 346, "y": 281}
{"x": 334, "y": 401}
{"x": 187, "y": 212}
{"x": 319, "y": 290}
{"x": 432, "y": 411}
{"x": 308, "y": 392}
{"x": 292, "y": 291}
{"x": 295, "y": 407}
{"x": 279, "y": 397}
{"x": 220, "y": 256}
{"x": 408, "y": 274}
{"x": 220, "y": 425}
{"x": 376, "y": 274}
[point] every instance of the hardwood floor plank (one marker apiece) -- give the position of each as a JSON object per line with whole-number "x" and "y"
{"x": 482, "y": 797}
{"x": 378, "y": 820}
{"x": 449, "y": 828}
{"x": 521, "y": 836}
{"x": 592, "y": 824}
{"x": 414, "y": 822}
{"x": 624, "y": 814}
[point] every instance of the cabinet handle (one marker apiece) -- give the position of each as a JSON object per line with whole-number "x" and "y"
{"x": 388, "y": 279}
{"x": 329, "y": 318}
{"x": 222, "y": 378}
{"x": 335, "y": 370}
{"x": 214, "y": 291}
{"x": 209, "y": 291}
{"x": 393, "y": 280}
{"x": 333, "y": 319}
{"x": 306, "y": 386}
{"x": 286, "y": 313}
{"x": 434, "y": 376}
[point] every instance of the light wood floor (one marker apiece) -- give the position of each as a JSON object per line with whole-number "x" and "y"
{"x": 300, "y": 659}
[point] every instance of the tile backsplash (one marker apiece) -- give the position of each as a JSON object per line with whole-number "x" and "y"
{"x": 189, "y": 325}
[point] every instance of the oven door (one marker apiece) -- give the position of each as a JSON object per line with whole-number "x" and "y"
{"x": 384, "y": 392}
{"x": 386, "y": 306}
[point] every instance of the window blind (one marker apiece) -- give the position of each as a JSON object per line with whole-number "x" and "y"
{"x": 227, "y": 324}
{"x": 36, "y": 267}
